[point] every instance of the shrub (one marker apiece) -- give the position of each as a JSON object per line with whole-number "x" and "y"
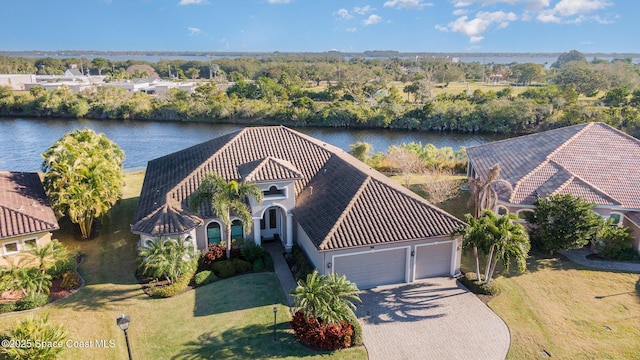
{"x": 214, "y": 253}
{"x": 173, "y": 289}
{"x": 320, "y": 335}
{"x": 479, "y": 287}
{"x": 32, "y": 301}
{"x": 71, "y": 281}
{"x": 301, "y": 264}
{"x": 241, "y": 266}
{"x": 29, "y": 331}
{"x": 7, "y": 307}
{"x": 258, "y": 265}
{"x": 358, "y": 337}
{"x": 63, "y": 265}
{"x": 251, "y": 251}
{"x": 204, "y": 277}
{"x": 224, "y": 269}
{"x": 615, "y": 243}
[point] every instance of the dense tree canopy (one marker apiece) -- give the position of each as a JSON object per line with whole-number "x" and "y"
{"x": 83, "y": 176}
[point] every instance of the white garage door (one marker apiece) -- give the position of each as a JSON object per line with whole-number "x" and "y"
{"x": 433, "y": 260}
{"x": 372, "y": 269}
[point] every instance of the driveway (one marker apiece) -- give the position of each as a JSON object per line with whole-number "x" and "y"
{"x": 430, "y": 319}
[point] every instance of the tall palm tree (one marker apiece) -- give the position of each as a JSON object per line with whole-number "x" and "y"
{"x": 484, "y": 195}
{"x": 226, "y": 197}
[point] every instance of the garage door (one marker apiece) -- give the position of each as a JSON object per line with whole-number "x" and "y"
{"x": 373, "y": 268}
{"x": 433, "y": 260}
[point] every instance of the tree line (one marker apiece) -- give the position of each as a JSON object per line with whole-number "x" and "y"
{"x": 333, "y": 91}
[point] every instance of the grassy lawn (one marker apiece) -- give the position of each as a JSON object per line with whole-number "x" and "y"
{"x": 231, "y": 318}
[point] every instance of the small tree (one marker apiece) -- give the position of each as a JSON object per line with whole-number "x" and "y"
{"x": 83, "y": 176}
{"x": 563, "y": 221}
{"x": 440, "y": 185}
{"x": 361, "y": 151}
{"x": 501, "y": 239}
{"x": 614, "y": 242}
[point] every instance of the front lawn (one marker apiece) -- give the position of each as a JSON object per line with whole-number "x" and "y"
{"x": 561, "y": 309}
{"x": 230, "y": 318}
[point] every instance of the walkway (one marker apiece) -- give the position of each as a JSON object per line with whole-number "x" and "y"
{"x": 579, "y": 256}
{"x": 430, "y": 319}
{"x": 287, "y": 281}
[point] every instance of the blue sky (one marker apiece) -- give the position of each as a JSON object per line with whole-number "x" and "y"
{"x": 321, "y": 25}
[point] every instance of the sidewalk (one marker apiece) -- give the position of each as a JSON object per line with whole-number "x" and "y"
{"x": 579, "y": 256}
{"x": 287, "y": 282}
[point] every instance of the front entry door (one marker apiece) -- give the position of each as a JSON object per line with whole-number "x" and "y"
{"x": 271, "y": 224}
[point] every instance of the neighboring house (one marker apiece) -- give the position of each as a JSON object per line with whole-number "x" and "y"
{"x": 26, "y": 220}
{"x": 17, "y": 82}
{"x": 347, "y": 217}
{"x": 73, "y": 73}
{"x": 593, "y": 161}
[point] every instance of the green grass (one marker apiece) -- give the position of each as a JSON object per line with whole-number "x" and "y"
{"x": 230, "y": 318}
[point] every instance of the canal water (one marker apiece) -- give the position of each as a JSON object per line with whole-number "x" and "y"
{"x": 22, "y": 140}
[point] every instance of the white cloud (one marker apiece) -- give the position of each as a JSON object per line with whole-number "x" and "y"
{"x": 475, "y": 27}
{"x": 363, "y": 10}
{"x": 574, "y": 12}
{"x": 278, "y": 1}
{"x": 352, "y": 29}
{"x": 371, "y": 20}
{"x": 406, "y": 4}
{"x": 460, "y": 12}
{"x": 192, "y": 2}
{"x": 194, "y": 31}
{"x": 344, "y": 13}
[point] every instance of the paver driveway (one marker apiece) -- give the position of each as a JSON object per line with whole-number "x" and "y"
{"x": 430, "y": 319}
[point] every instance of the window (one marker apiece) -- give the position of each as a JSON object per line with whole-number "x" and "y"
{"x": 272, "y": 218}
{"x": 237, "y": 232}
{"x": 502, "y": 210}
{"x": 10, "y": 248}
{"x": 29, "y": 244}
{"x": 616, "y": 217}
{"x": 213, "y": 233}
{"x": 274, "y": 191}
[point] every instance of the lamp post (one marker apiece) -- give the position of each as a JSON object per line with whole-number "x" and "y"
{"x": 123, "y": 323}
{"x": 275, "y": 334}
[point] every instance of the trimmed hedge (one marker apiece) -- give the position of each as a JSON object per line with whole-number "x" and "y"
{"x": 479, "y": 287}
{"x": 204, "y": 277}
{"x": 241, "y": 266}
{"x": 224, "y": 269}
{"x": 320, "y": 335}
{"x": 32, "y": 301}
{"x": 173, "y": 289}
{"x": 358, "y": 337}
{"x": 7, "y": 307}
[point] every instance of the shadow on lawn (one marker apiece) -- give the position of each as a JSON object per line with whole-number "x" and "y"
{"x": 251, "y": 342}
{"x": 104, "y": 297}
{"x": 412, "y": 302}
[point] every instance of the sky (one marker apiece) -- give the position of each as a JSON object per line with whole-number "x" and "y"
{"x": 321, "y": 25}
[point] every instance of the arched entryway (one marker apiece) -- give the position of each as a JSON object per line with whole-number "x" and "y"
{"x": 271, "y": 224}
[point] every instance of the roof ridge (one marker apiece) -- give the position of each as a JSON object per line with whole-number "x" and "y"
{"x": 170, "y": 193}
{"x": 261, "y": 163}
{"x": 547, "y": 159}
{"x": 345, "y": 212}
{"x": 526, "y": 135}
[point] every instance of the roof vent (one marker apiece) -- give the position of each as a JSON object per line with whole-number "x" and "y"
{"x": 311, "y": 189}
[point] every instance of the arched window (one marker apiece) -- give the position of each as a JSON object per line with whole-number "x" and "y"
{"x": 237, "y": 232}
{"x": 523, "y": 215}
{"x": 213, "y": 233}
{"x": 501, "y": 210}
{"x": 616, "y": 217}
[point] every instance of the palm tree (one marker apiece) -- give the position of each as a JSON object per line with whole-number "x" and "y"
{"x": 328, "y": 298}
{"x": 226, "y": 197}
{"x": 24, "y": 278}
{"x": 484, "y": 195}
{"x": 48, "y": 254}
{"x": 165, "y": 257}
{"x": 501, "y": 238}
{"x": 28, "y": 330}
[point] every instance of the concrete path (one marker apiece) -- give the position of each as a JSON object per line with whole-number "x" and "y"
{"x": 430, "y": 319}
{"x": 287, "y": 281}
{"x": 579, "y": 256}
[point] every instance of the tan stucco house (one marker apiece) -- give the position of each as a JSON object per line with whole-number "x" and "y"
{"x": 26, "y": 220}
{"x": 593, "y": 161}
{"x": 347, "y": 217}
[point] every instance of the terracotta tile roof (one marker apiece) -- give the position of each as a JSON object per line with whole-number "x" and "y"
{"x": 340, "y": 202}
{"x": 593, "y": 160}
{"x": 24, "y": 208}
